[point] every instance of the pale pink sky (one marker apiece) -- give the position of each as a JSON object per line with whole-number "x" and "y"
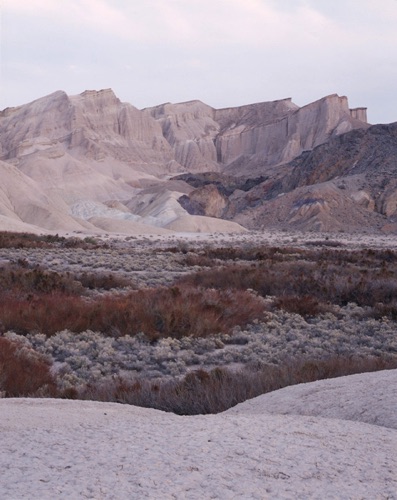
{"x": 223, "y": 52}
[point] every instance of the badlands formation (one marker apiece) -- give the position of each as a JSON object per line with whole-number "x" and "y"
{"x": 92, "y": 164}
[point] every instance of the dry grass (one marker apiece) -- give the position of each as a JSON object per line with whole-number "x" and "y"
{"x": 306, "y": 306}
{"x": 19, "y": 280}
{"x": 306, "y": 280}
{"x": 23, "y": 240}
{"x": 103, "y": 281}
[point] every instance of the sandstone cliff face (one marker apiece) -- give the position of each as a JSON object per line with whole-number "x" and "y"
{"x": 91, "y": 126}
{"x": 105, "y": 127}
{"x": 35, "y": 126}
{"x": 189, "y": 136}
{"x": 251, "y": 139}
{"x": 292, "y": 131}
{"x": 190, "y": 129}
{"x": 252, "y": 130}
{"x": 83, "y": 156}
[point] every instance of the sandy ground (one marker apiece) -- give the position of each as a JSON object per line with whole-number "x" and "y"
{"x": 53, "y": 449}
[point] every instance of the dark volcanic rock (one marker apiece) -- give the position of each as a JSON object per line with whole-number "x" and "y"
{"x": 352, "y": 179}
{"x": 191, "y": 206}
{"x": 205, "y": 200}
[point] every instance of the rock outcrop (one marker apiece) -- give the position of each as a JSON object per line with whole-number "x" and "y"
{"x": 206, "y": 200}
{"x": 94, "y": 126}
{"x": 249, "y": 140}
{"x": 346, "y": 183}
{"x": 85, "y": 160}
{"x": 190, "y": 129}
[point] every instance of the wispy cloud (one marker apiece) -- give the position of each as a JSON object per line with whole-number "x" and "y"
{"x": 220, "y": 50}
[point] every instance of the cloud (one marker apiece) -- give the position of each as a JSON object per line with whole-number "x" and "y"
{"x": 225, "y": 52}
{"x": 255, "y": 23}
{"x": 248, "y": 22}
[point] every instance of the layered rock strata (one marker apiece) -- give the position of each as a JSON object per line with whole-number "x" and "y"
{"x": 87, "y": 159}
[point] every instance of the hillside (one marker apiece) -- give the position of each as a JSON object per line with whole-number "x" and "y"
{"x": 346, "y": 184}
{"x": 92, "y": 163}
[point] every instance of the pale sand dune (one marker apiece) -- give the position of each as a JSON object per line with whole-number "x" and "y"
{"x": 72, "y": 449}
{"x": 126, "y": 226}
{"x": 201, "y": 224}
{"x": 365, "y": 398}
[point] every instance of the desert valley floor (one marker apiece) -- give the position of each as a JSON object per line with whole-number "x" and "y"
{"x": 334, "y": 438}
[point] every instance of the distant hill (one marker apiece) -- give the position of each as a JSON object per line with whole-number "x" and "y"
{"x": 92, "y": 163}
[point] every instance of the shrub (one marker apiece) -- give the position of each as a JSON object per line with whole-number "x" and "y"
{"x": 20, "y": 280}
{"x": 104, "y": 281}
{"x": 307, "y": 306}
{"x": 158, "y": 312}
{"x": 22, "y": 240}
{"x": 23, "y": 372}
{"x": 10, "y": 239}
{"x": 185, "y": 311}
{"x": 214, "y": 391}
{"x": 45, "y": 313}
{"x": 336, "y": 277}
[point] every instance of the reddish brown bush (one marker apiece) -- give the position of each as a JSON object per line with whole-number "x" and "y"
{"x": 23, "y": 372}
{"x": 104, "y": 281}
{"x": 10, "y": 239}
{"x": 19, "y": 280}
{"x": 324, "y": 275}
{"x": 22, "y": 240}
{"x": 161, "y": 312}
{"x": 178, "y": 312}
{"x": 307, "y": 306}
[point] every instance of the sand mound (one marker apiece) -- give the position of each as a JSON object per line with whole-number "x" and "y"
{"x": 126, "y": 226}
{"x": 75, "y": 449}
{"x": 201, "y": 224}
{"x": 367, "y": 397}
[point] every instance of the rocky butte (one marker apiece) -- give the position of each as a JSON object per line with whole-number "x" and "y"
{"x": 92, "y": 163}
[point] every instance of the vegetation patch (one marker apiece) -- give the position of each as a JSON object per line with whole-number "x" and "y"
{"x": 192, "y": 328}
{"x": 10, "y": 239}
{"x": 23, "y": 372}
{"x": 160, "y": 312}
{"x": 315, "y": 278}
{"x": 214, "y": 391}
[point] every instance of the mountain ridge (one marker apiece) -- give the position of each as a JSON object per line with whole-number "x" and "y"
{"x": 92, "y": 147}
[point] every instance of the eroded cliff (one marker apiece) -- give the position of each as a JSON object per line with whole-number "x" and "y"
{"x": 91, "y": 158}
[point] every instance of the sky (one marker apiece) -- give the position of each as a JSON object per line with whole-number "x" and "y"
{"x": 222, "y": 52}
